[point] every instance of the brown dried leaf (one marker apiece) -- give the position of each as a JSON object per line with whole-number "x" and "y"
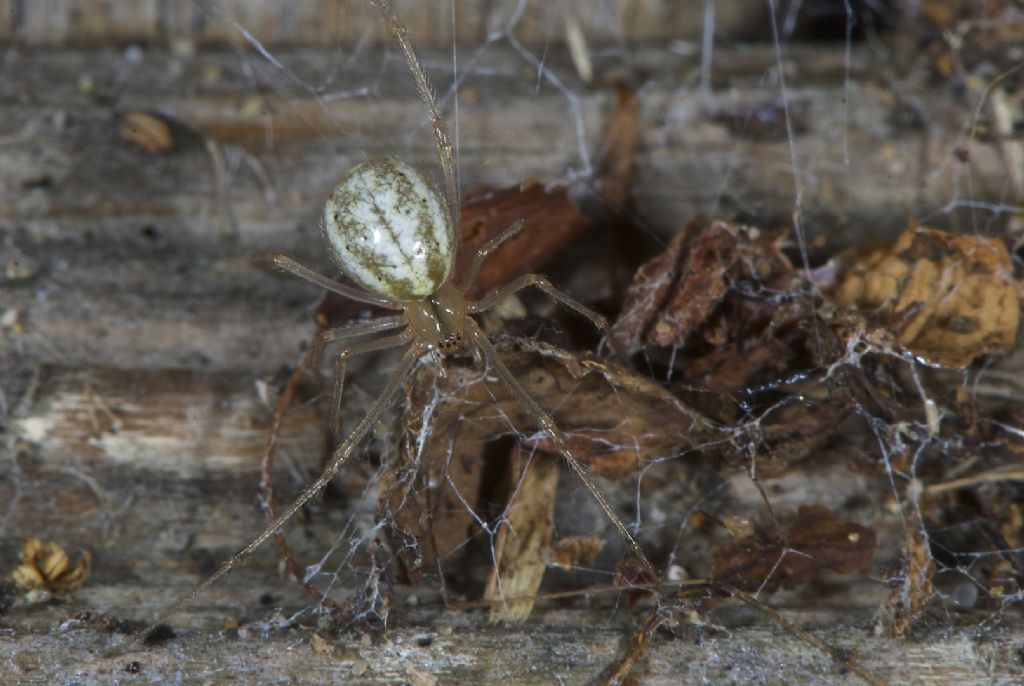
{"x": 948, "y": 299}
{"x": 677, "y": 292}
{"x": 46, "y": 567}
{"x": 782, "y": 438}
{"x": 552, "y": 221}
{"x": 812, "y": 541}
{"x": 616, "y": 167}
{"x": 617, "y": 420}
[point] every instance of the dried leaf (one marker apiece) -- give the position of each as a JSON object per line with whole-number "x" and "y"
{"x": 676, "y": 293}
{"x": 552, "y": 221}
{"x": 616, "y": 166}
{"x": 617, "y": 420}
{"x": 780, "y": 439}
{"x": 46, "y": 567}
{"x": 948, "y": 299}
{"x": 812, "y": 541}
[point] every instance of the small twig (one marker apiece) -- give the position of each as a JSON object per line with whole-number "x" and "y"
{"x": 994, "y": 475}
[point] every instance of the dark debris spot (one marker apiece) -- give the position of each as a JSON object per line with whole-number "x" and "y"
{"x": 160, "y": 634}
{"x": 41, "y": 181}
{"x": 133, "y": 667}
{"x": 267, "y": 599}
{"x": 205, "y": 561}
{"x": 8, "y": 591}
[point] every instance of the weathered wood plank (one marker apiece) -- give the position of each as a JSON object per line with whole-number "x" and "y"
{"x": 329, "y": 23}
{"x": 130, "y": 352}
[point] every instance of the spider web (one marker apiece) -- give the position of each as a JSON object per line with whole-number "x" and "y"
{"x": 354, "y": 100}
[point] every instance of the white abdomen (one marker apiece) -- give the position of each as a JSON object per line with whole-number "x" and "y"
{"x": 389, "y": 230}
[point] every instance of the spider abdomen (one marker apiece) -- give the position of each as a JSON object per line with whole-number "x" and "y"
{"x": 389, "y": 231}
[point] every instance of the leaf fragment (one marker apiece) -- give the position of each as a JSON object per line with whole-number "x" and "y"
{"x": 811, "y": 541}
{"x": 675, "y": 294}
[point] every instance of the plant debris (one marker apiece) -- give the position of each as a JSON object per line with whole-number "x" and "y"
{"x": 796, "y": 553}
{"x": 148, "y": 131}
{"x": 948, "y": 299}
{"x": 912, "y": 585}
{"x": 46, "y": 567}
{"x": 676, "y": 295}
{"x": 523, "y": 543}
{"x": 616, "y": 420}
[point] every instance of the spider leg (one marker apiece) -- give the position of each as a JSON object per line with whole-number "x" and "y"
{"x": 346, "y": 331}
{"x": 548, "y": 424}
{"x": 341, "y": 365}
{"x": 342, "y": 453}
{"x": 445, "y": 154}
{"x": 289, "y": 265}
{"x": 485, "y": 250}
{"x": 491, "y": 299}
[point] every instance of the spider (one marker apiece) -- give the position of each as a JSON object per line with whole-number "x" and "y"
{"x": 394, "y": 235}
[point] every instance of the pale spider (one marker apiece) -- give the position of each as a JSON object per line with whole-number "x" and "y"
{"x": 388, "y": 230}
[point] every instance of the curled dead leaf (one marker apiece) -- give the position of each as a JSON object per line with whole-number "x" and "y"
{"x": 811, "y": 541}
{"x": 948, "y": 299}
{"x": 552, "y": 221}
{"x": 675, "y": 294}
{"x": 46, "y": 567}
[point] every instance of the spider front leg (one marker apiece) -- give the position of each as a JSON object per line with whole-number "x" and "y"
{"x": 348, "y": 331}
{"x": 341, "y": 366}
{"x": 498, "y": 294}
{"x": 485, "y": 250}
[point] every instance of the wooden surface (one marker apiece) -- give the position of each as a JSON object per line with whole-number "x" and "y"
{"x": 142, "y": 340}
{"x": 187, "y": 24}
